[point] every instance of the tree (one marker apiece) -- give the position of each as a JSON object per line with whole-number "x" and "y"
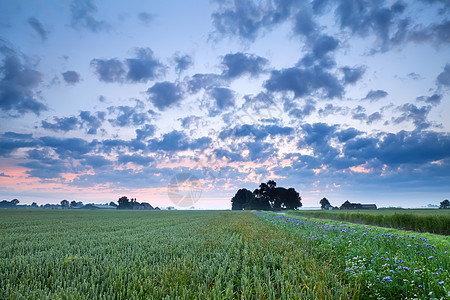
{"x": 112, "y": 204}
{"x": 324, "y": 203}
{"x": 445, "y": 204}
{"x": 242, "y": 200}
{"x": 14, "y": 202}
{"x": 291, "y": 199}
{"x": 124, "y": 203}
{"x": 64, "y": 204}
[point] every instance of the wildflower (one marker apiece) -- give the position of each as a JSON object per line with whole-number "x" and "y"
{"x": 399, "y": 267}
{"x": 406, "y": 268}
{"x": 441, "y": 282}
{"x": 445, "y": 252}
{"x": 387, "y": 278}
{"x": 420, "y": 286}
{"x": 431, "y": 257}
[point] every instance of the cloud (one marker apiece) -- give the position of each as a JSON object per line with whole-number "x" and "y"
{"x": 92, "y": 121}
{"x": 109, "y": 70}
{"x": 318, "y": 136}
{"x": 304, "y": 81}
{"x": 145, "y": 132}
{"x": 412, "y": 113}
{"x": 165, "y": 94}
{"x": 83, "y": 15}
{"x": 324, "y": 44}
{"x": 376, "y": 116}
{"x": 375, "y": 95}
{"x": 238, "y": 64}
{"x": 434, "y": 99}
{"x": 444, "y": 77}
{"x": 128, "y": 116}
{"x": 135, "y": 159}
{"x": 182, "y": 62}
{"x": 347, "y": 134}
{"x": 51, "y": 169}
{"x": 17, "y": 85}
{"x": 203, "y": 81}
{"x": 145, "y": 17}
{"x": 68, "y": 147}
{"x": 245, "y": 19}
{"x": 11, "y": 141}
{"x": 38, "y": 27}
{"x": 300, "y": 113}
{"x": 61, "y": 124}
{"x": 178, "y": 141}
{"x": 71, "y": 77}
{"x": 96, "y": 161}
{"x": 144, "y": 67}
{"x": 352, "y": 75}
{"x": 331, "y": 109}
{"x": 224, "y": 98}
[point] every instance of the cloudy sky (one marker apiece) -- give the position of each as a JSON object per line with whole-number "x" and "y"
{"x": 164, "y": 99}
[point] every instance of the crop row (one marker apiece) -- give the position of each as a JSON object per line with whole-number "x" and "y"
{"x": 385, "y": 265}
{"x": 439, "y": 224}
{"x": 158, "y": 255}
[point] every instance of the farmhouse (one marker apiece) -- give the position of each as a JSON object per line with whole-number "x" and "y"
{"x": 348, "y": 205}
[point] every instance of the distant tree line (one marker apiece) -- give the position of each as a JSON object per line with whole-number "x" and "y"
{"x": 124, "y": 203}
{"x": 267, "y": 197}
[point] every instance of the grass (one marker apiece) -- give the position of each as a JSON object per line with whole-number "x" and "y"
{"x": 160, "y": 255}
{"x": 420, "y": 220}
{"x": 385, "y": 263}
{"x": 213, "y": 255}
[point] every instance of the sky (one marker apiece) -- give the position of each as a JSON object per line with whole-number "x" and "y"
{"x": 182, "y": 103}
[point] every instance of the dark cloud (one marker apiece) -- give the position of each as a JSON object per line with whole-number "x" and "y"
{"x": 375, "y": 95}
{"x": 109, "y": 70}
{"x": 145, "y": 17}
{"x": 136, "y": 159}
{"x": 190, "y": 121}
{"x": 38, "y": 27}
{"x": 304, "y": 24}
{"x": 17, "y": 84}
{"x": 204, "y": 81}
{"x": 245, "y": 18}
{"x": 324, "y": 44}
{"x": 128, "y": 116}
{"x": 178, "y": 141}
{"x": 52, "y": 169}
{"x": 71, "y": 77}
{"x": 347, "y": 134}
{"x": 238, "y": 64}
{"x": 145, "y": 132}
{"x": 413, "y": 147}
{"x": 444, "y": 77}
{"x": 414, "y": 76}
{"x": 224, "y": 98}
{"x": 11, "y": 141}
{"x": 96, "y": 161}
{"x": 83, "y": 15}
{"x": 182, "y": 62}
{"x": 434, "y": 99}
{"x": 352, "y": 75}
{"x": 107, "y": 146}
{"x": 304, "y": 81}
{"x": 442, "y": 32}
{"x": 61, "y": 124}
{"x": 300, "y": 113}
{"x": 418, "y": 116}
{"x": 376, "y": 116}
{"x": 92, "y": 121}
{"x": 165, "y": 94}
{"x": 318, "y": 136}
{"x": 68, "y": 147}
{"x": 144, "y": 67}
{"x": 331, "y": 109}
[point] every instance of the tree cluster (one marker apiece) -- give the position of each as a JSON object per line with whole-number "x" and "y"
{"x": 445, "y": 204}
{"x": 267, "y": 197}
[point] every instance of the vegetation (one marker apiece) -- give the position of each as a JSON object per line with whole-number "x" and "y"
{"x": 416, "y": 220}
{"x": 267, "y": 197}
{"x": 74, "y": 254}
{"x": 382, "y": 263}
{"x": 445, "y": 204}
